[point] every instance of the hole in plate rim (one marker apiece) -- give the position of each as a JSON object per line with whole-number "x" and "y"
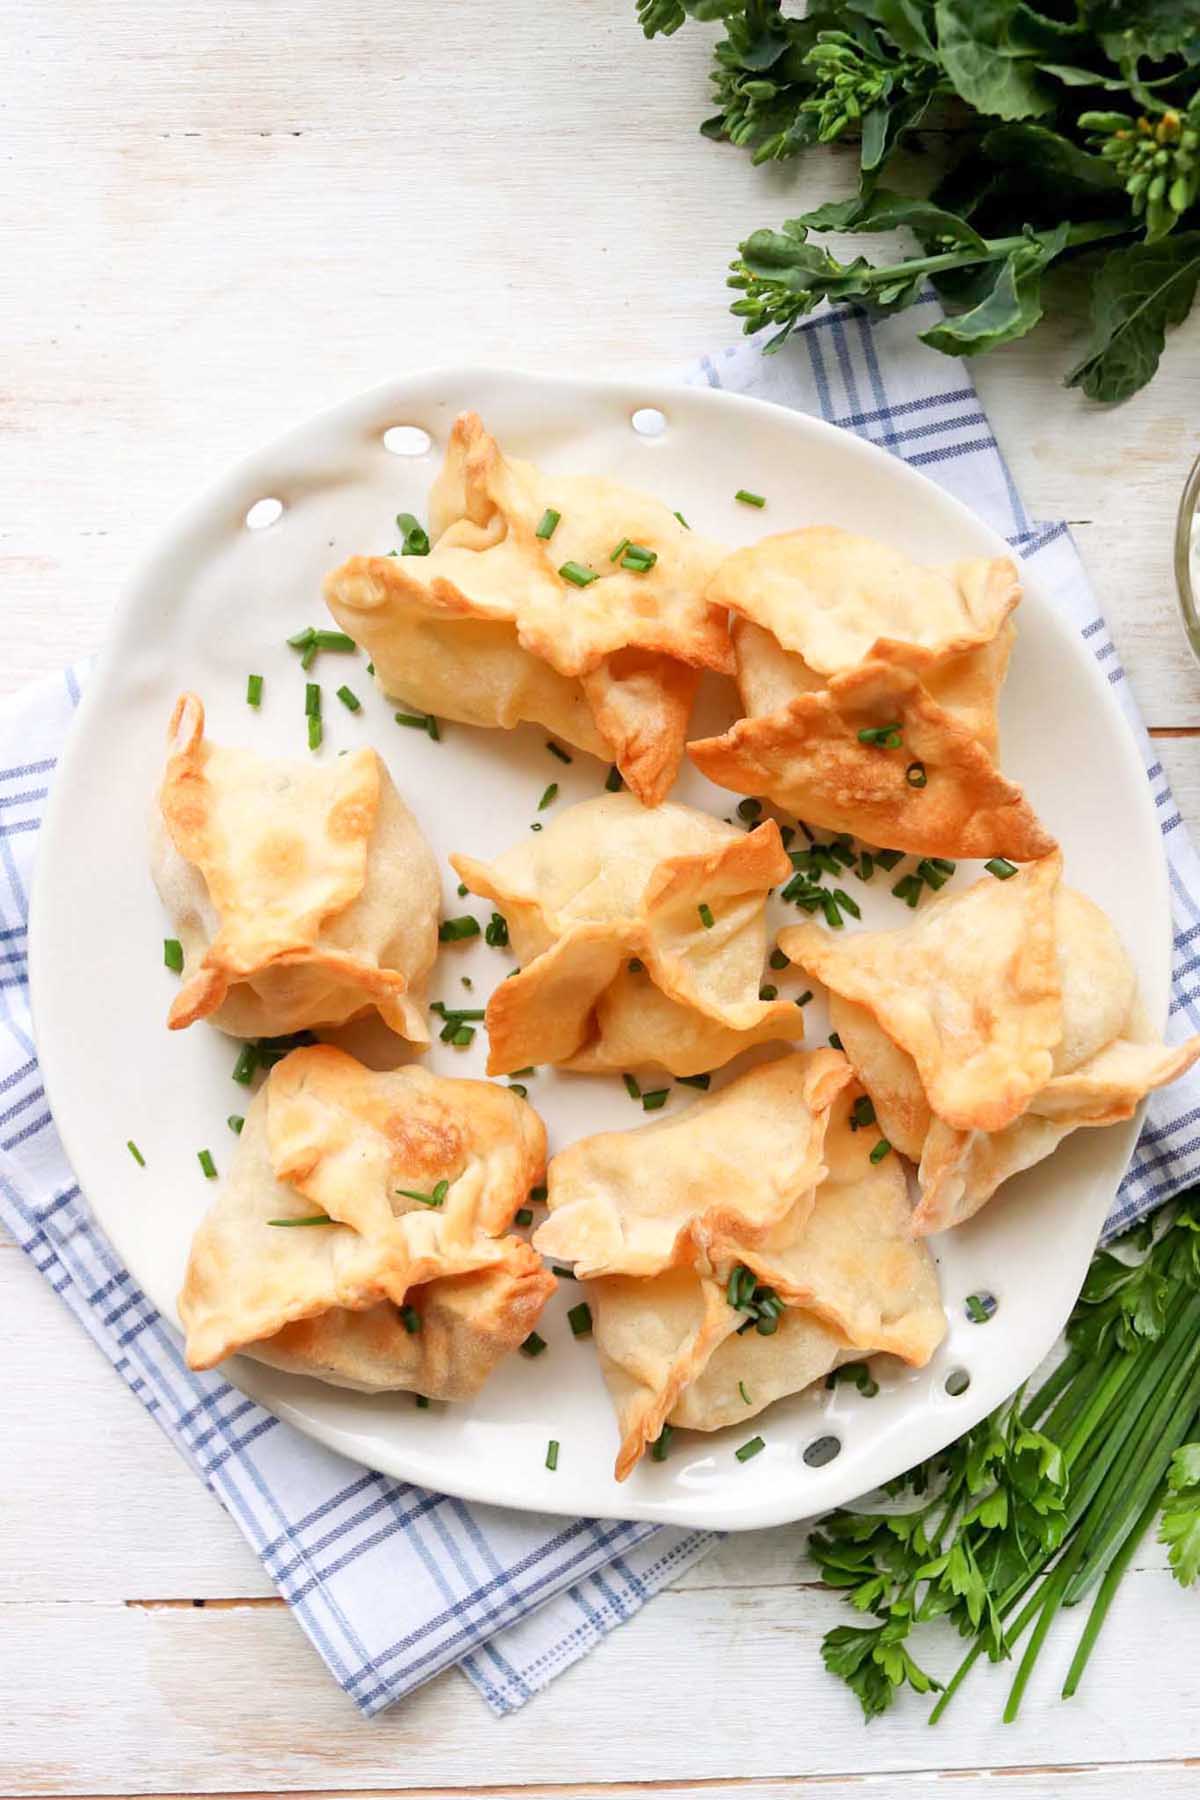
{"x": 648, "y": 421}
{"x": 957, "y": 1382}
{"x": 264, "y": 513}
{"x": 823, "y": 1450}
{"x": 407, "y": 440}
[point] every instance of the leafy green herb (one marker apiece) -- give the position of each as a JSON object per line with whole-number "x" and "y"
{"x": 1180, "y": 1525}
{"x": 246, "y": 1064}
{"x": 136, "y": 1154}
{"x": 882, "y": 1149}
{"x": 496, "y": 932}
{"x": 886, "y": 737}
{"x": 254, "y": 690}
{"x": 631, "y": 1087}
{"x": 533, "y": 1345}
{"x": 235, "y": 1122}
{"x": 750, "y": 1449}
{"x": 1001, "y": 868}
{"x": 173, "y": 955}
{"x": 204, "y": 1157}
{"x": 454, "y": 931}
{"x": 552, "y": 1455}
{"x": 655, "y": 1100}
{"x": 749, "y": 499}
{"x": 414, "y": 537}
{"x": 548, "y": 523}
{"x": 580, "y": 1319}
{"x": 577, "y": 575}
{"x": 761, "y": 1305}
{"x": 349, "y": 699}
{"x": 706, "y": 915}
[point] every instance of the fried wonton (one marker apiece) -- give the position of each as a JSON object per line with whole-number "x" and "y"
{"x": 808, "y": 1223}
{"x": 999, "y": 1021}
{"x": 608, "y": 884}
{"x": 401, "y": 1277}
{"x": 303, "y": 895}
{"x": 836, "y": 636}
{"x": 486, "y": 630}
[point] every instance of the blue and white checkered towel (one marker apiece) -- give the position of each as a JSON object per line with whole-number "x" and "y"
{"x": 391, "y": 1583}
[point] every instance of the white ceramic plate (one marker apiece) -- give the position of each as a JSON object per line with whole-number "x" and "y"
{"x": 217, "y": 600}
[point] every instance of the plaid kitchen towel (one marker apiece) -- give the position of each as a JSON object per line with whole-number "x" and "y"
{"x": 391, "y": 1583}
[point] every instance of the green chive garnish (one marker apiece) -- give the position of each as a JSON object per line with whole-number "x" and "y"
{"x": 768, "y": 991}
{"x": 333, "y": 640}
{"x": 908, "y": 889}
{"x": 751, "y": 1449}
{"x": 655, "y": 1100}
{"x": 309, "y": 656}
{"x": 835, "y": 1042}
{"x": 136, "y": 1154}
{"x": 866, "y": 866}
{"x": 420, "y": 722}
{"x": 1000, "y": 867}
{"x": 743, "y": 1393}
{"x": 618, "y": 553}
{"x": 518, "y": 1088}
{"x": 315, "y": 732}
{"x": 552, "y": 1455}
{"x": 631, "y": 1087}
{"x": 533, "y": 1345}
{"x": 539, "y": 1194}
{"x": 421, "y": 1400}
{"x": 683, "y": 521}
{"x": 247, "y": 1062}
{"x": 312, "y": 699}
{"x": 580, "y": 1319}
{"x": 496, "y": 933}
{"x": 612, "y": 781}
{"x": 411, "y": 1319}
{"x": 661, "y": 1444}
{"x": 880, "y": 1151}
{"x": 302, "y": 639}
{"x": 415, "y": 539}
{"x": 547, "y": 524}
{"x": 349, "y": 699}
{"x": 173, "y": 955}
{"x": 777, "y": 959}
{"x": 310, "y": 1219}
{"x": 639, "y": 559}
{"x": 915, "y": 775}
{"x": 862, "y": 1112}
{"x": 254, "y": 687}
{"x": 463, "y": 890}
{"x": 829, "y": 907}
{"x": 706, "y": 917}
{"x": 434, "y": 1199}
{"x": 235, "y": 1121}
{"x": 577, "y": 575}
{"x": 804, "y": 998}
{"x": 523, "y": 1216}
{"x": 453, "y": 931}
{"x": 563, "y": 1274}
{"x": 980, "y": 1308}
{"x": 884, "y": 737}
{"x": 463, "y": 1035}
{"x": 887, "y": 859}
{"x": 557, "y": 750}
{"x": 847, "y": 904}
{"x": 549, "y": 797}
{"x": 204, "y": 1157}
{"x": 696, "y": 1081}
{"x": 749, "y": 499}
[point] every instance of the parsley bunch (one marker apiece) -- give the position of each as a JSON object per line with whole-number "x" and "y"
{"x": 1046, "y": 1500}
{"x": 1080, "y": 137}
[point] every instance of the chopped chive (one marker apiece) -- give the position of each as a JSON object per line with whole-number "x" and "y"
{"x": 552, "y": 1455}
{"x": 655, "y": 1100}
{"x": 931, "y": 875}
{"x": 862, "y": 1112}
{"x": 136, "y": 1154}
{"x": 777, "y": 959}
{"x": 577, "y": 575}
{"x": 456, "y": 1014}
{"x": 204, "y": 1158}
{"x": 421, "y": 1400}
{"x": 235, "y": 1121}
{"x": 310, "y": 652}
{"x": 804, "y": 998}
{"x": 915, "y": 775}
{"x": 523, "y": 1216}
{"x": 464, "y": 1035}
{"x": 787, "y": 833}
{"x": 768, "y": 991}
{"x": 639, "y": 559}
{"x": 312, "y": 699}
{"x": 1001, "y": 868}
{"x": 370, "y": 668}
{"x": 557, "y": 750}
{"x": 631, "y": 1087}
{"x": 247, "y": 1062}
{"x": 547, "y": 524}
{"x": 612, "y": 781}
{"x": 829, "y": 907}
{"x": 980, "y": 1308}
{"x": 518, "y": 1088}
{"x": 847, "y": 904}
{"x": 315, "y": 732}
{"x": 563, "y": 1274}
{"x": 415, "y": 539}
{"x": 661, "y": 1444}
{"x": 173, "y": 955}
{"x": 420, "y": 722}
{"x": 749, "y": 809}
{"x": 549, "y": 797}
{"x": 887, "y": 859}
{"x": 533, "y": 1345}
{"x": 683, "y": 521}
{"x": 309, "y": 1219}
{"x": 349, "y": 699}
{"x": 453, "y": 931}
{"x": 880, "y": 1151}
{"x": 749, "y": 499}
{"x": 467, "y": 982}
{"x": 410, "y": 1318}
{"x": 301, "y": 640}
{"x": 636, "y": 966}
{"x": 944, "y": 864}
{"x": 580, "y": 1319}
{"x": 618, "y": 553}
{"x": 751, "y": 1449}
{"x": 254, "y": 688}
{"x": 518, "y": 1073}
{"x": 885, "y": 737}
{"x": 706, "y": 917}
{"x": 866, "y": 866}
{"x": 463, "y": 890}
{"x": 434, "y": 1199}
{"x": 496, "y": 933}
{"x": 743, "y": 1393}
{"x": 696, "y": 1081}
{"x": 835, "y": 1042}
{"x": 333, "y": 640}
{"x": 539, "y": 1194}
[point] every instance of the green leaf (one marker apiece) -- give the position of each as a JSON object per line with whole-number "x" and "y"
{"x": 1179, "y": 1527}
{"x": 882, "y": 210}
{"x": 906, "y": 23}
{"x": 1138, "y": 293}
{"x": 1012, "y": 307}
{"x": 1053, "y": 156}
{"x": 1130, "y": 29}
{"x": 972, "y": 37}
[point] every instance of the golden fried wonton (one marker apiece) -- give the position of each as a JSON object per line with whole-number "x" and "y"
{"x": 486, "y": 630}
{"x": 837, "y": 636}
{"x": 1000, "y": 1020}
{"x": 669, "y": 1221}
{"x": 410, "y": 1284}
{"x": 302, "y": 895}
{"x": 609, "y": 884}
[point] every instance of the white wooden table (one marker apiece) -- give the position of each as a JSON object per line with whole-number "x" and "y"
{"x": 220, "y": 217}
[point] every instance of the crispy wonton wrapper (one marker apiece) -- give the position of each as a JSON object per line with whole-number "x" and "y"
{"x": 485, "y": 630}
{"x": 1002, "y": 1019}
{"x": 608, "y": 884}
{"x": 836, "y": 635}
{"x": 808, "y": 1213}
{"x": 325, "y": 1136}
{"x": 302, "y": 895}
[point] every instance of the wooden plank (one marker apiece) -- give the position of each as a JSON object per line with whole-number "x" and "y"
{"x": 115, "y": 1699}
